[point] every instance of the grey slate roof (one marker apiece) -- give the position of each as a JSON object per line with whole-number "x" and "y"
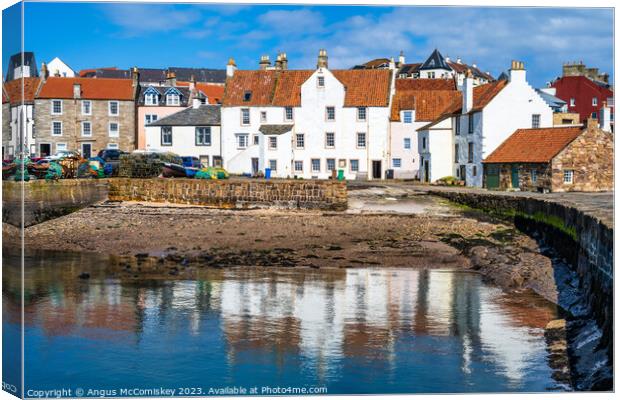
{"x": 275, "y": 129}
{"x": 16, "y": 60}
{"x": 205, "y": 115}
{"x": 185, "y": 94}
{"x": 158, "y": 75}
{"x": 435, "y": 61}
{"x": 554, "y": 102}
{"x": 200, "y": 74}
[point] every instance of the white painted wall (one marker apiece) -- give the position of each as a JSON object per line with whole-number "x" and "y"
{"x": 282, "y": 154}
{"x": 58, "y": 66}
{"x": 22, "y": 116}
{"x": 184, "y": 141}
{"x": 439, "y": 150}
{"x": 410, "y": 158}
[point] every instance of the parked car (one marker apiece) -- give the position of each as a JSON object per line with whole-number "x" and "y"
{"x": 189, "y": 161}
{"x": 110, "y": 154}
{"x": 59, "y": 155}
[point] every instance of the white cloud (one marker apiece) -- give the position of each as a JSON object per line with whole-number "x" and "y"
{"x": 140, "y": 19}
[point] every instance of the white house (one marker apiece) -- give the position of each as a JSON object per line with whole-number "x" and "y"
{"x": 194, "y": 131}
{"x": 307, "y": 123}
{"x": 57, "y": 67}
{"x": 19, "y": 113}
{"x": 481, "y": 121}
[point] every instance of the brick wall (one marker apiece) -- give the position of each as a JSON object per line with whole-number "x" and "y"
{"x": 234, "y": 193}
{"x": 72, "y": 118}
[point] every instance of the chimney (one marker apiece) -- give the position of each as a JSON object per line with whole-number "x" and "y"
{"x": 322, "y": 60}
{"x": 517, "y": 71}
{"x": 264, "y": 62}
{"x": 57, "y": 73}
{"x": 231, "y": 67}
{"x": 447, "y": 59}
{"x": 458, "y": 60}
{"x": 278, "y": 63}
{"x": 196, "y": 103}
{"x": 44, "y": 73}
{"x": 283, "y": 61}
{"x": 135, "y": 76}
{"x": 77, "y": 91}
{"x": 192, "y": 83}
{"x": 468, "y": 92}
{"x": 401, "y": 59}
{"x": 605, "y": 113}
{"x": 392, "y": 64}
{"x": 171, "y": 79}
{"x": 592, "y": 123}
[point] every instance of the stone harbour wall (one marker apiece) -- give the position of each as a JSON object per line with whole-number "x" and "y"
{"x": 234, "y": 193}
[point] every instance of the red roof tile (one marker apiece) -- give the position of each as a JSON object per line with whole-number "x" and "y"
{"x": 428, "y": 104}
{"x": 366, "y": 87}
{"x": 13, "y": 89}
{"x": 425, "y": 84}
{"x": 259, "y": 83}
{"x": 94, "y": 89}
{"x": 534, "y": 145}
{"x": 288, "y": 88}
{"x": 213, "y": 92}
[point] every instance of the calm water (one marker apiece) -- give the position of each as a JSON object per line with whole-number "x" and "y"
{"x": 351, "y": 331}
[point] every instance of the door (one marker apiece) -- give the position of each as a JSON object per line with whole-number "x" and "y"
{"x": 427, "y": 177}
{"x": 376, "y": 169}
{"x": 45, "y": 149}
{"x": 515, "y": 175}
{"x": 463, "y": 173}
{"x": 204, "y": 161}
{"x": 254, "y": 165}
{"x": 492, "y": 176}
{"x": 86, "y": 150}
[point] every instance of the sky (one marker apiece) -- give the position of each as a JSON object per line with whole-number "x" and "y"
{"x": 90, "y": 35}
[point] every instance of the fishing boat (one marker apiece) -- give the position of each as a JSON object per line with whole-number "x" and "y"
{"x": 8, "y": 169}
{"x": 190, "y": 172}
{"x": 173, "y": 171}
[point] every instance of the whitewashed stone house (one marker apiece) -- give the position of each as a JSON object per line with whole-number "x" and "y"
{"x": 307, "y": 123}
{"x": 59, "y": 68}
{"x": 477, "y": 122}
{"x": 18, "y": 117}
{"x": 194, "y": 131}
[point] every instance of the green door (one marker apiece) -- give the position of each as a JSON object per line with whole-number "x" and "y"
{"x": 492, "y": 177}
{"x": 515, "y": 176}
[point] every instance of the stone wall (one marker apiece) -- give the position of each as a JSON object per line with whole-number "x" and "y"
{"x": 233, "y": 193}
{"x": 591, "y": 158}
{"x": 6, "y": 129}
{"x": 585, "y": 241}
{"x": 72, "y": 119}
{"x": 560, "y": 118}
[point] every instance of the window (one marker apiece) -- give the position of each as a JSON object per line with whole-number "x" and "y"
{"x": 407, "y": 117}
{"x": 56, "y": 128}
{"x": 316, "y": 164}
{"x": 112, "y": 145}
{"x": 247, "y": 96}
{"x": 299, "y": 166}
{"x": 150, "y": 118}
{"x": 150, "y": 99}
{"x": 568, "y": 176}
{"x": 475, "y": 170}
{"x": 273, "y": 142}
{"x": 330, "y": 113}
{"x": 572, "y": 102}
{"x": 361, "y": 113}
{"x": 320, "y": 81}
{"x": 457, "y": 126}
{"x": 594, "y": 114}
{"x": 263, "y": 116}
{"x": 331, "y": 164}
{"x": 299, "y": 140}
{"x": 166, "y": 136}
{"x": 424, "y": 143}
{"x": 396, "y": 162}
{"x": 255, "y": 140}
{"x": 361, "y": 140}
{"x": 86, "y": 128}
{"x": 245, "y": 116}
{"x": 456, "y": 153}
{"x": 242, "y": 141}
{"x": 594, "y": 101}
{"x": 330, "y": 140}
{"x": 56, "y": 107}
{"x": 113, "y": 129}
{"x": 173, "y": 99}
{"x": 470, "y": 152}
{"x": 203, "y": 136}
{"x": 86, "y": 107}
{"x": 470, "y": 119}
{"x": 273, "y": 165}
{"x": 355, "y": 165}
{"x": 61, "y": 146}
{"x": 431, "y": 75}
{"x": 535, "y": 121}
{"x": 288, "y": 113}
{"x": 407, "y": 143}
{"x": 534, "y": 175}
{"x": 113, "y": 108}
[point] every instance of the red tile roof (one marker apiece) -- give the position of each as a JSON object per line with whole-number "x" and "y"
{"x": 13, "y": 89}
{"x": 534, "y": 145}
{"x": 213, "y": 92}
{"x": 425, "y": 84}
{"x": 364, "y": 88}
{"x": 94, "y": 89}
{"x": 483, "y": 94}
{"x": 428, "y": 104}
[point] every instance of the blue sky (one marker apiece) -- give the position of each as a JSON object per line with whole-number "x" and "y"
{"x": 87, "y": 35}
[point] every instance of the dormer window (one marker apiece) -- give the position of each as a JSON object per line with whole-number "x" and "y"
{"x": 173, "y": 99}
{"x": 247, "y": 96}
{"x": 150, "y": 99}
{"x": 320, "y": 81}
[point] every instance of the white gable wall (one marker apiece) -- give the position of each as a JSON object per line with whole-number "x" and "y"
{"x": 184, "y": 142}
{"x": 438, "y": 152}
{"x": 410, "y": 158}
{"x": 57, "y": 65}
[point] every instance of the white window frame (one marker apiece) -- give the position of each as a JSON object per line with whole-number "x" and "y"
{"x": 255, "y": 140}
{"x": 161, "y": 136}
{"x": 333, "y": 135}
{"x": 118, "y": 129}
{"x": 594, "y": 101}
{"x": 238, "y": 140}
{"x": 354, "y": 161}
{"x": 61, "y": 128}
{"x": 407, "y": 143}
{"x": 90, "y": 107}
{"x": 357, "y": 140}
{"x": 263, "y": 116}
{"x": 398, "y": 161}
{"x": 286, "y": 113}
{"x": 90, "y": 128}
{"x": 534, "y": 175}
{"x": 303, "y": 140}
{"x": 314, "y": 162}
{"x": 151, "y": 99}
{"x": 208, "y": 133}
{"x": 320, "y": 81}
{"x": 272, "y": 143}
{"x": 242, "y": 116}
{"x": 118, "y": 108}
{"x": 364, "y": 111}
{"x": 150, "y": 120}
{"x": 535, "y": 121}
{"x": 327, "y": 164}
{"x": 273, "y": 165}
{"x": 52, "y": 112}
{"x": 327, "y": 108}
{"x": 296, "y": 163}
{"x": 113, "y": 146}
{"x": 63, "y": 145}
{"x": 569, "y": 177}
{"x": 173, "y": 99}
{"x": 572, "y": 102}
{"x": 407, "y": 117}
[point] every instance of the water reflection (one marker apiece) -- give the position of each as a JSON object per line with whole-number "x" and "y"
{"x": 355, "y": 330}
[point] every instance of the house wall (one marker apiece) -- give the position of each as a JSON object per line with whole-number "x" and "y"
{"x": 184, "y": 142}
{"x": 6, "y": 129}
{"x": 543, "y": 176}
{"x": 282, "y": 154}
{"x": 410, "y": 158}
{"x": 591, "y": 158}
{"x": 12, "y": 125}
{"x": 439, "y": 151}
{"x": 159, "y": 111}
{"x": 473, "y": 170}
{"x": 72, "y": 118}
{"x": 582, "y": 90}
{"x": 57, "y": 66}
{"x": 565, "y": 118}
